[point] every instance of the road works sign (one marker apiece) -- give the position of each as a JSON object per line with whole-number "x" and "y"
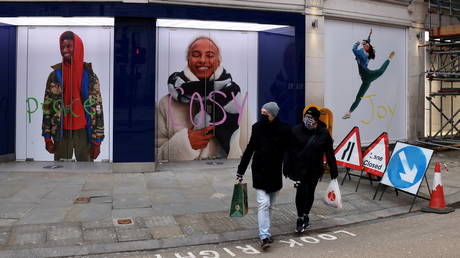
{"x": 376, "y": 157}
{"x": 407, "y": 167}
{"x": 348, "y": 153}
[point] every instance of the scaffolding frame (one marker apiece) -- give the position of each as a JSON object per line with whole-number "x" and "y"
{"x": 443, "y": 52}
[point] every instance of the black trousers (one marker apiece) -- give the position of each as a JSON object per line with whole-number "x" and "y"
{"x": 305, "y": 194}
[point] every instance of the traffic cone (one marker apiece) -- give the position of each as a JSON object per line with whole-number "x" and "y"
{"x": 437, "y": 202}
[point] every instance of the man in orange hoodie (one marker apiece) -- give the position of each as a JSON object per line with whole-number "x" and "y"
{"x": 73, "y": 120}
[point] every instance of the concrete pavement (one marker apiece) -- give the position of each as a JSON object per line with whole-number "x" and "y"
{"x": 181, "y": 203}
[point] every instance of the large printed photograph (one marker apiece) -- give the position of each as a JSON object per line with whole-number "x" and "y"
{"x": 365, "y": 76}
{"x": 206, "y": 81}
{"x": 66, "y": 93}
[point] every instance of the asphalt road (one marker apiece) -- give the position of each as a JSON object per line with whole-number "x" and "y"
{"x": 412, "y": 235}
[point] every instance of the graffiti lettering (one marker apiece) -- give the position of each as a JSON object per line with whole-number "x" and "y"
{"x": 200, "y": 100}
{"x": 223, "y": 110}
{"x": 382, "y": 111}
{"x": 196, "y": 95}
{"x": 33, "y": 104}
{"x": 29, "y": 110}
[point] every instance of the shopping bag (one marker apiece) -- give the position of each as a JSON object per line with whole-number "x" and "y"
{"x": 333, "y": 196}
{"x": 239, "y": 205}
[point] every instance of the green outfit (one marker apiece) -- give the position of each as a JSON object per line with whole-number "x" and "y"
{"x": 367, "y": 76}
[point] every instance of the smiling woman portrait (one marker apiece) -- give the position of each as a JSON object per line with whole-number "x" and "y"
{"x": 200, "y": 117}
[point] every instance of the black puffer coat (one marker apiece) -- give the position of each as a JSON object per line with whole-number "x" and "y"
{"x": 268, "y": 143}
{"x": 305, "y": 153}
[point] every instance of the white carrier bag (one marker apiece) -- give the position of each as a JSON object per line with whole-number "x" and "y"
{"x": 333, "y": 196}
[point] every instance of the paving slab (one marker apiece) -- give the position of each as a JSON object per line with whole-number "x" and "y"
{"x": 132, "y": 213}
{"x": 100, "y": 235}
{"x": 31, "y": 238}
{"x": 64, "y": 232}
{"x": 31, "y": 193}
{"x": 10, "y": 189}
{"x": 165, "y": 232}
{"x": 88, "y": 212}
{"x": 7, "y": 222}
{"x": 159, "y": 221}
{"x": 130, "y": 201}
{"x": 102, "y": 199}
{"x": 44, "y": 215}
{"x": 104, "y": 223}
{"x": 166, "y": 196}
{"x": 15, "y": 210}
{"x": 125, "y": 235}
{"x": 193, "y": 224}
{"x": 64, "y": 192}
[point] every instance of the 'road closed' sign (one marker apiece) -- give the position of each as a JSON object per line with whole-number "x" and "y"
{"x": 376, "y": 157}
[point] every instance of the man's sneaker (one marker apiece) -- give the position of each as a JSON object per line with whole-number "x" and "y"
{"x": 265, "y": 243}
{"x": 270, "y": 240}
{"x": 306, "y": 221}
{"x": 300, "y": 228}
{"x": 346, "y": 116}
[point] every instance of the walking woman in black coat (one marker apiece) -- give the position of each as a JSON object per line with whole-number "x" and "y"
{"x": 310, "y": 141}
{"x": 266, "y": 146}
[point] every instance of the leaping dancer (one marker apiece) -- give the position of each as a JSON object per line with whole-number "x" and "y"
{"x": 362, "y": 56}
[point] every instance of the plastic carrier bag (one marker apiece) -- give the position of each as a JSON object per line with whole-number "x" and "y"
{"x": 333, "y": 196}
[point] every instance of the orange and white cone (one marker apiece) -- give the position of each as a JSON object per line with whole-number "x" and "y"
{"x": 437, "y": 202}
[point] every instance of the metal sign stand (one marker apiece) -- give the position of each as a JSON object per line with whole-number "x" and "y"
{"x": 399, "y": 166}
{"x": 396, "y": 189}
{"x": 360, "y": 176}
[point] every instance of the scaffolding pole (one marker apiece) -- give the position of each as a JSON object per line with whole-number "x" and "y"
{"x": 443, "y": 75}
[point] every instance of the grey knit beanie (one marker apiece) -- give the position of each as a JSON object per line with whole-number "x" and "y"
{"x": 272, "y": 108}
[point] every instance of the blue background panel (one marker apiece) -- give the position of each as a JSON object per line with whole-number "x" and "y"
{"x": 7, "y": 88}
{"x": 278, "y": 77}
{"x": 134, "y": 90}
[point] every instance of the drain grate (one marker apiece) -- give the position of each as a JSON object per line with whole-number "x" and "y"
{"x": 82, "y": 199}
{"x": 214, "y": 163}
{"x": 124, "y": 221}
{"x": 53, "y": 166}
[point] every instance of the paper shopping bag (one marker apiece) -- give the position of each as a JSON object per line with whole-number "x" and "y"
{"x": 239, "y": 205}
{"x": 333, "y": 196}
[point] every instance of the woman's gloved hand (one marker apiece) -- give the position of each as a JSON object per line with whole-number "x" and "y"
{"x": 199, "y": 139}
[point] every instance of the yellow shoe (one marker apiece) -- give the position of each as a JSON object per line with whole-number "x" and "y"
{"x": 346, "y": 116}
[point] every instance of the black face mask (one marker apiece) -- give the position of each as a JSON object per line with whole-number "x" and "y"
{"x": 263, "y": 118}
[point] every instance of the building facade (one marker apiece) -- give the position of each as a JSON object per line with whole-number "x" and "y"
{"x": 295, "y": 53}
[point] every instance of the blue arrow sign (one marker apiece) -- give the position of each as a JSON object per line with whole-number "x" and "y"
{"x": 407, "y": 167}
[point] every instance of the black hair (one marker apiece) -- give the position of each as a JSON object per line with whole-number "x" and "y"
{"x": 67, "y": 35}
{"x": 370, "y": 51}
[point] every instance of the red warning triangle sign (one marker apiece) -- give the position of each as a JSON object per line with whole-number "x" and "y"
{"x": 348, "y": 153}
{"x": 377, "y": 155}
